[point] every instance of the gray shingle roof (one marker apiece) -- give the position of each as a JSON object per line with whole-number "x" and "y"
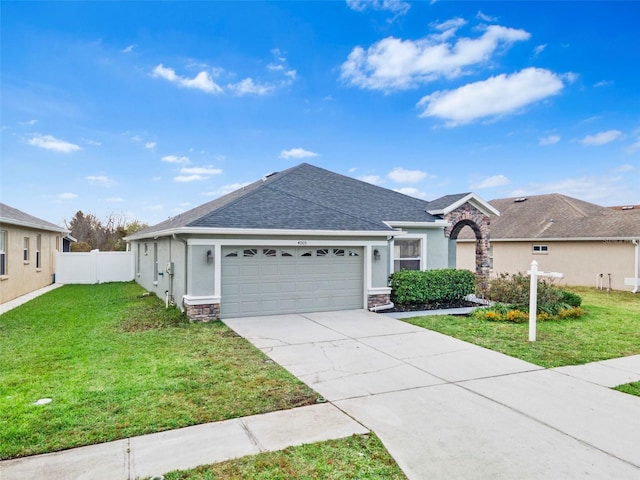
{"x": 303, "y": 197}
{"x": 557, "y": 216}
{"x": 13, "y": 216}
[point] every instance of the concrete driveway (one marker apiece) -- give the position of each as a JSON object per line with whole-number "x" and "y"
{"x": 445, "y": 408}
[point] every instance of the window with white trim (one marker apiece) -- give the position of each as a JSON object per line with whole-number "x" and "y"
{"x": 155, "y": 262}
{"x": 3, "y": 252}
{"x": 407, "y": 254}
{"x": 25, "y": 249}
{"x": 38, "y": 249}
{"x": 540, "y": 249}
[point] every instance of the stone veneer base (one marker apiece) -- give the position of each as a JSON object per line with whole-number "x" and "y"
{"x": 203, "y": 313}
{"x": 378, "y": 299}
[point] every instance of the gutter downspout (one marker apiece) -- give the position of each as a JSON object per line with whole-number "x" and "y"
{"x": 186, "y": 262}
{"x": 635, "y": 276}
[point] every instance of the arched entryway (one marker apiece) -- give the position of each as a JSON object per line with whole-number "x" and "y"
{"x": 469, "y": 216}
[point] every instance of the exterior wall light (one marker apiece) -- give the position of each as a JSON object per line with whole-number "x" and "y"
{"x": 376, "y": 254}
{"x": 209, "y": 256}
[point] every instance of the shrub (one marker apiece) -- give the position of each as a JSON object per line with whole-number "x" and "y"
{"x": 514, "y": 290}
{"x": 414, "y": 287}
{"x": 571, "y": 299}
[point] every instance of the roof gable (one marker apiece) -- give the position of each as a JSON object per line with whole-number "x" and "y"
{"x": 448, "y": 203}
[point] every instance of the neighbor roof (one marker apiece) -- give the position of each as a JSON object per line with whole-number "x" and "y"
{"x": 13, "y": 216}
{"x": 557, "y": 216}
{"x": 303, "y": 197}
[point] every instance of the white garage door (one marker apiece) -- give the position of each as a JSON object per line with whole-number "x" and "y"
{"x": 273, "y": 280}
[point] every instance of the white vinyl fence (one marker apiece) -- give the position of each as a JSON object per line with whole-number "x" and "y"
{"x": 94, "y": 267}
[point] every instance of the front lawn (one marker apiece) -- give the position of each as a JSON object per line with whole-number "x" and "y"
{"x": 609, "y": 329}
{"x": 116, "y": 364}
{"x": 360, "y": 456}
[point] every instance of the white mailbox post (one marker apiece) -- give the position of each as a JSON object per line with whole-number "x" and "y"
{"x": 533, "y": 296}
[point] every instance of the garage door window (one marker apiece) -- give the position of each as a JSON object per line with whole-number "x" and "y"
{"x": 407, "y": 254}
{"x": 250, "y": 252}
{"x": 269, "y": 252}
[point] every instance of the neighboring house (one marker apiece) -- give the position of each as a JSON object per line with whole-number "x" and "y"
{"x": 588, "y": 243}
{"x": 27, "y": 252}
{"x": 305, "y": 239}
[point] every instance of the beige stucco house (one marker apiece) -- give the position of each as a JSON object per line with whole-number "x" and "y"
{"x": 590, "y": 244}
{"x": 27, "y": 252}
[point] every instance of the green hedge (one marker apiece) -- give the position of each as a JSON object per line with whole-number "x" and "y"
{"x": 413, "y": 287}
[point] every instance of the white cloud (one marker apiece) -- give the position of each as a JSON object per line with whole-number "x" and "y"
{"x": 175, "y": 159}
{"x": 150, "y": 145}
{"x": 202, "y": 81}
{"x": 93, "y": 143}
{"x": 401, "y": 175}
{"x": 539, "y": 49}
{"x": 634, "y": 147}
{"x": 412, "y": 192}
{"x": 297, "y": 153}
{"x": 601, "y": 138}
{"x": 128, "y": 49}
{"x": 201, "y": 170}
{"x": 66, "y": 196}
{"x": 223, "y": 190}
{"x": 603, "y": 83}
{"x": 372, "y": 179}
{"x": 114, "y": 200}
{"x": 49, "y": 142}
{"x": 248, "y": 86}
{"x": 99, "y": 180}
{"x": 189, "y": 178}
{"x": 28, "y": 122}
{"x": 485, "y": 17}
{"x": 499, "y": 95}
{"x": 397, "y": 7}
{"x": 396, "y": 64}
{"x": 549, "y": 140}
{"x": 492, "y": 182}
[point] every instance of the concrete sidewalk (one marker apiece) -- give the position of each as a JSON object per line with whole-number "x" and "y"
{"x": 445, "y": 408}
{"x": 159, "y": 453}
{"x": 16, "y": 302}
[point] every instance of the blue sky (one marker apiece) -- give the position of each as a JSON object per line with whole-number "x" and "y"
{"x": 147, "y": 109}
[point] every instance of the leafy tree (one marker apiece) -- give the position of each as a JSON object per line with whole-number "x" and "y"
{"x": 105, "y": 235}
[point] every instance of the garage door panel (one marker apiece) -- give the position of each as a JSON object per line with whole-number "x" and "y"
{"x": 305, "y": 279}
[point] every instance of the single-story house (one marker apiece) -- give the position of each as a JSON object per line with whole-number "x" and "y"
{"x": 301, "y": 240}
{"x": 28, "y": 246}
{"x": 590, "y": 244}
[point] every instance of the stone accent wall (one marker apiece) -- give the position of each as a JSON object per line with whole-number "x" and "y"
{"x": 203, "y": 313}
{"x": 378, "y": 299}
{"x": 469, "y": 216}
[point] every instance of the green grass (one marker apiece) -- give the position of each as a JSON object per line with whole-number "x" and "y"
{"x": 630, "y": 388}
{"x": 609, "y": 329}
{"x": 117, "y": 364}
{"x": 359, "y": 456}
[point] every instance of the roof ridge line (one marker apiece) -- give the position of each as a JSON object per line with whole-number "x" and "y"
{"x": 264, "y": 180}
{"x": 325, "y": 206}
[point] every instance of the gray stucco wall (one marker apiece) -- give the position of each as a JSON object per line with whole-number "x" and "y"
{"x": 380, "y": 267}
{"x": 168, "y": 250}
{"x": 201, "y": 275}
